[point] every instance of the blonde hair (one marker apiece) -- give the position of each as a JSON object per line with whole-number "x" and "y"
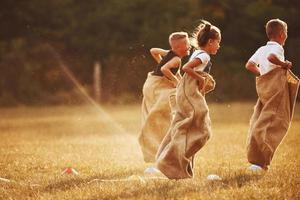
{"x": 203, "y": 33}
{"x": 274, "y": 27}
{"x": 177, "y": 36}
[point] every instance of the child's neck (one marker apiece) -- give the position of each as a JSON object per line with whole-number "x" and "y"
{"x": 276, "y": 40}
{"x": 204, "y": 49}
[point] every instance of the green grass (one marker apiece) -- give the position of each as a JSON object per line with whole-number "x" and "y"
{"x": 38, "y": 143}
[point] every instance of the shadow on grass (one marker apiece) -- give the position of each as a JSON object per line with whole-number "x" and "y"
{"x": 76, "y": 181}
{"x": 181, "y": 188}
{"x": 237, "y": 180}
{"x": 162, "y": 189}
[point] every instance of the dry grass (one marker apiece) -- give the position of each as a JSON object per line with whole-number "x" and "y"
{"x": 38, "y": 143}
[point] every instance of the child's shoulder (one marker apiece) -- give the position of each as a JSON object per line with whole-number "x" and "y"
{"x": 199, "y": 52}
{"x": 261, "y": 49}
{"x": 270, "y": 46}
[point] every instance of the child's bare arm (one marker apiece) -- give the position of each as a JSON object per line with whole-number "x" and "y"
{"x": 275, "y": 60}
{"x": 157, "y": 53}
{"x": 188, "y": 68}
{"x": 178, "y": 75}
{"x": 166, "y": 69}
{"x": 252, "y": 67}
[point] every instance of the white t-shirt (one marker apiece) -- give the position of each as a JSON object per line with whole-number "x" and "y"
{"x": 260, "y": 57}
{"x": 203, "y": 56}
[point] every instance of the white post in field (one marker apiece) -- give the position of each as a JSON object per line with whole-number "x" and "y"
{"x": 97, "y": 82}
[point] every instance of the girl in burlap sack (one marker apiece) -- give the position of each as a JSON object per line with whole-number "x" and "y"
{"x": 160, "y": 84}
{"x": 191, "y": 126}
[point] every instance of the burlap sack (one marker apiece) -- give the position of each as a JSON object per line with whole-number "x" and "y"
{"x": 156, "y": 114}
{"x": 273, "y": 112}
{"x": 209, "y": 83}
{"x": 189, "y": 130}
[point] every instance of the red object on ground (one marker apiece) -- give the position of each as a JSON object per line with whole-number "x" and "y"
{"x": 69, "y": 170}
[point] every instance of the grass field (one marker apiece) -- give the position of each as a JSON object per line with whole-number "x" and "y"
{"x": 36, "y": 144}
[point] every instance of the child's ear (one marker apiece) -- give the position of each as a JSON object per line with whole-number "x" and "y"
{"x": 282, "y": 34}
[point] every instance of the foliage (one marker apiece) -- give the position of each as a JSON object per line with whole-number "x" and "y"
{"x": 119, "y": 35}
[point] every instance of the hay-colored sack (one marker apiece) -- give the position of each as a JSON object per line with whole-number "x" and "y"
{"x": 273, "y": 112}
{"x": 156, "y": 114}
{"x": 189, "y": 130}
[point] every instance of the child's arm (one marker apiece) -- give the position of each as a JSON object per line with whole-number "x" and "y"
{"x": 178, "y": 74}
{"x": 166, "y": 69}
{"x": 157, "y": 53}
{"x": 252, "y": 67}
{"x": 188, "y": 68}
{"x": 275, "y": 60}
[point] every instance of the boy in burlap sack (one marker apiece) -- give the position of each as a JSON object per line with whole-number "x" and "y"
{"x": 277, "y": 89}
{"x": 191, "y": 125}
{"x": 160, "y": 84}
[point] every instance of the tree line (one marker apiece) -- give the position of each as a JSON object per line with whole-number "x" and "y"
{"x": 119, "y": 34}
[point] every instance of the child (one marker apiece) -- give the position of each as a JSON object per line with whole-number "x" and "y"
{"x": 277, "y": 89}
{"x": 160, "y": 84}
{"x": 190, "y": 128}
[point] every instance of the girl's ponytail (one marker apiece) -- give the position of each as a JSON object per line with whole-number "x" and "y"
{"x": 203, "y": 33}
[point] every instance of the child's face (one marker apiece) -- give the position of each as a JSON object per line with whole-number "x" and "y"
{"x": 213, "y": 46}
{"x": 182, "y": 47}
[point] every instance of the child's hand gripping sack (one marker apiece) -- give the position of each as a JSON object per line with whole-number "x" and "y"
{"x": 208, "y": 84}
